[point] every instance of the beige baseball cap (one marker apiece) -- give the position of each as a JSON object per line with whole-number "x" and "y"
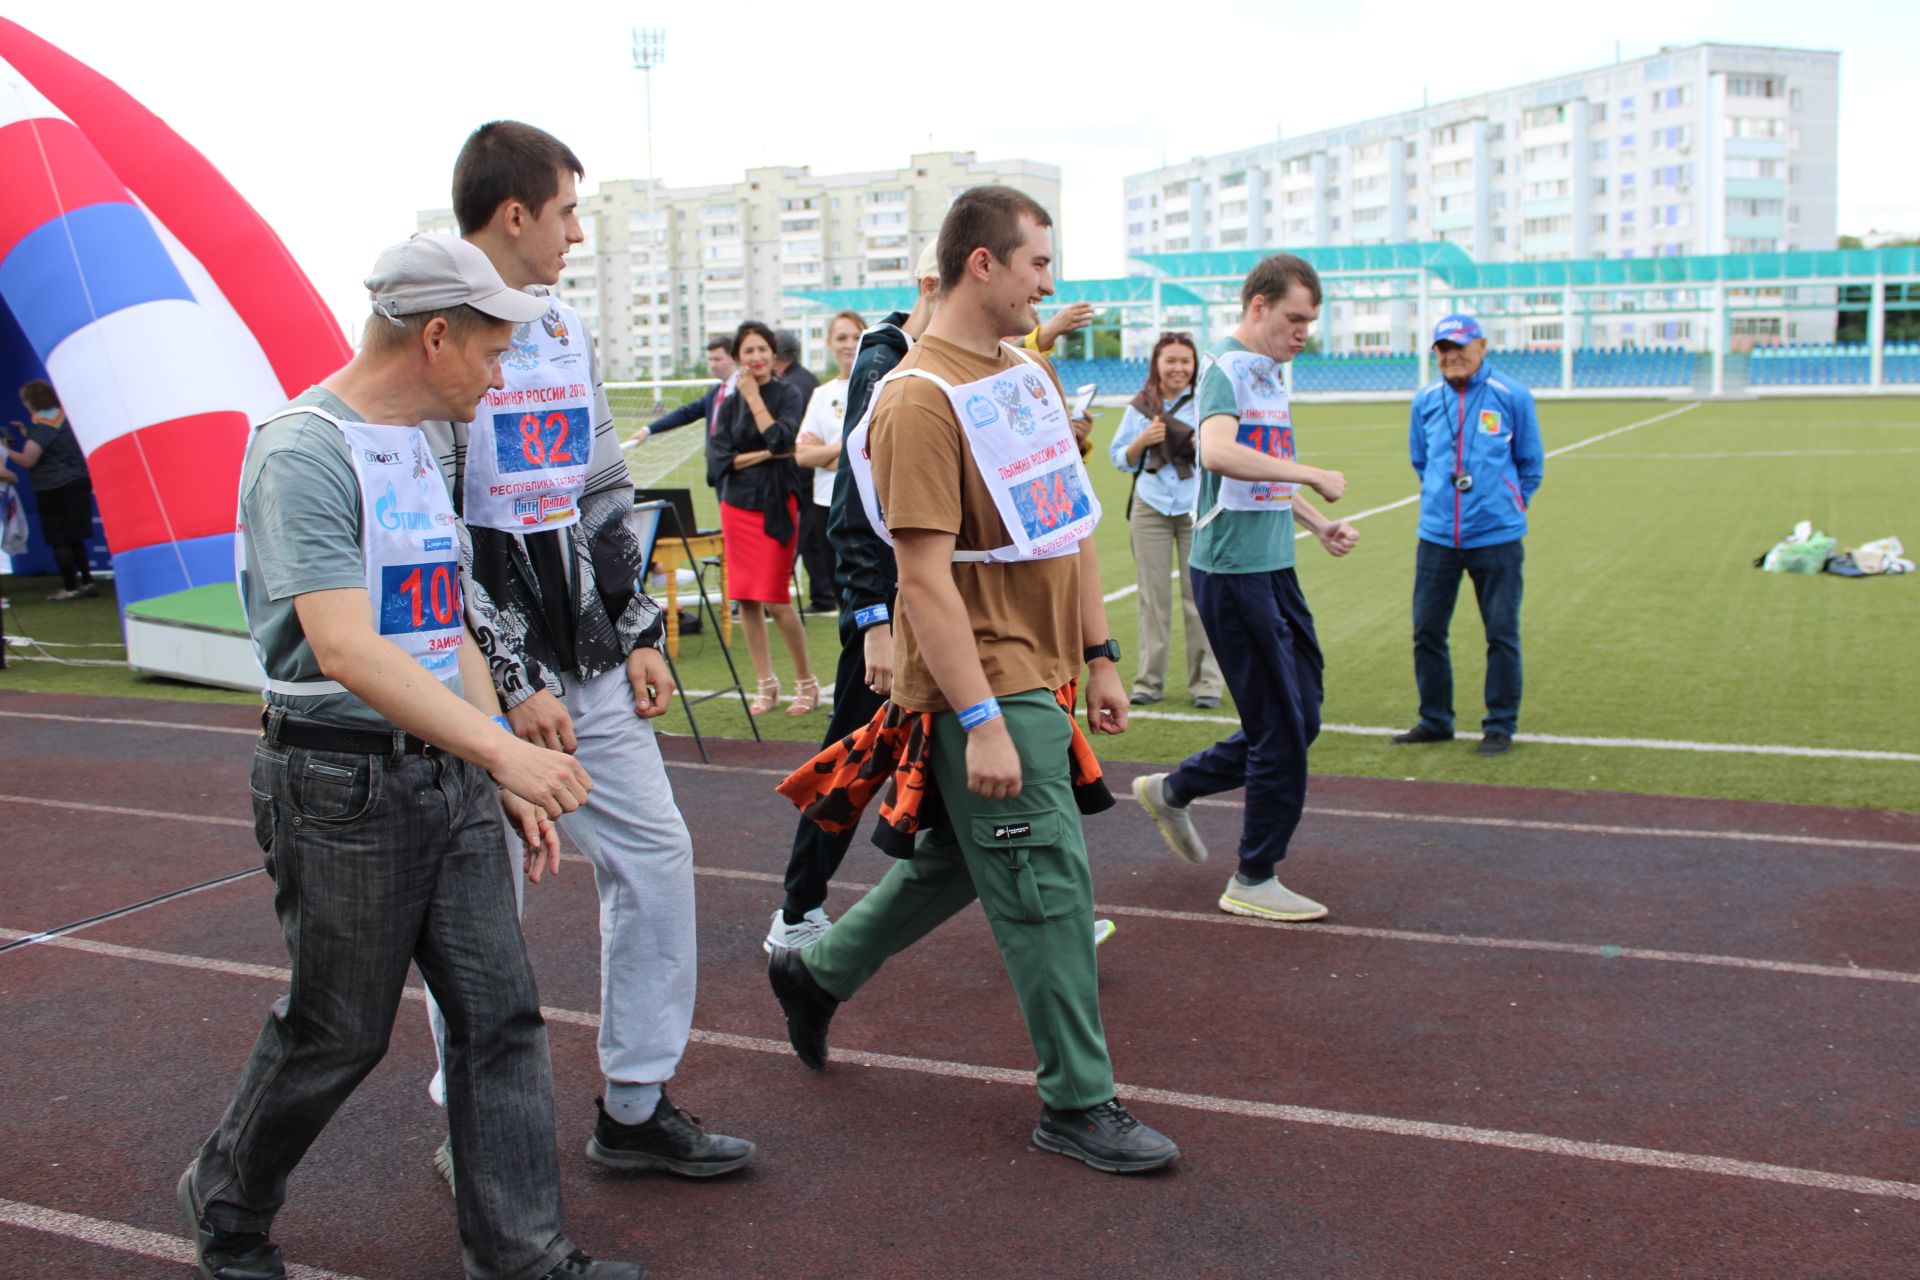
{"x": 929, "y": 262}
{"x": 431, "y": 272}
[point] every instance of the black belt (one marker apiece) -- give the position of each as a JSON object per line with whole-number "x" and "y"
{"x": 315, "y": 736}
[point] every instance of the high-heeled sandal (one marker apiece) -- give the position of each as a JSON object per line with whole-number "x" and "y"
{"x": 764, "y": 696}
{"x": 806, "y": 696}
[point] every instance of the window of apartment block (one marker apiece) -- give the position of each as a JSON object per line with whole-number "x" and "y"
{"x": 1545, "y": 331}
{"x": 1599, "y": 224}
{"x": 1743, "y": 208}
{"x": 1597, "y": 113}
{"x": 1495, "y": 132}
{"x": 1753, "y": 87}
{"x": 1175, "y": 190}
{"x": 1178, "y": 219}
{"x": 1543, "y": 117}
{"x": 1673, "y": 97}
{"x": 1600, "y": 149}
{"x": 1372, "y": 182}
{"x": 1237, "y": 235}
{"x": 1233, "y": 209}
{"x": 1500, "y": 166}
{"x": 1626, "y": 107}
{"x": 1234, "y": 180}
{"x": 1366, "y": 217}
{"x": 1599, "y": 186}
{"x": 1673, "y": 138}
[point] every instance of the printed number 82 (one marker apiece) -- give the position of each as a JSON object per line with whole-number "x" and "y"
{"x": 533, "y": 445}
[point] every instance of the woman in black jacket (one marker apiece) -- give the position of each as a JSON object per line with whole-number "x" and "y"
{"x": 750, "y": 462}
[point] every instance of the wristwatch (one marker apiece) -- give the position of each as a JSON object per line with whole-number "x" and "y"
{"x": 1109, "y": 649}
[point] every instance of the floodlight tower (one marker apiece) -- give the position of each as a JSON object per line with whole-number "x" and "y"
{"x": 649, "y": 51}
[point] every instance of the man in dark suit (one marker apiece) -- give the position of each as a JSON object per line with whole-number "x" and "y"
{"x": 707, "y": 408}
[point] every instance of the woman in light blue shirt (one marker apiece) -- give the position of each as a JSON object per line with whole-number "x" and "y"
{"x": 1155, "y": 443}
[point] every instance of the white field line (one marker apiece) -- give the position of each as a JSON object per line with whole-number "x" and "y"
{"x": 1132, "y": 587}
{"x": 1760, "y": 453}
{"x": 123, "y": 1238}
{"x": 1395, "y": 1126}
{"x": 1381, "y": 815}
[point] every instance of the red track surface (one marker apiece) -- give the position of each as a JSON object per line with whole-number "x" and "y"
{"x": 1615, "y": 1114}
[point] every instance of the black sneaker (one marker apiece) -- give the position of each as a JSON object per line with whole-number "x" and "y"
{"x": 579, "y": 1264}
{"x": 1106, "y": 1137}
{"x": 1495, "y": 744}
{"x": 808, "y": 1008}
{"x": 671, "y": 1140}
{"x": 1421, "y": 734}
{"x": 227, "y": 1255}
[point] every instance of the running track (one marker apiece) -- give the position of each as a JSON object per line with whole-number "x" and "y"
{"x": 1544, "y": 1034}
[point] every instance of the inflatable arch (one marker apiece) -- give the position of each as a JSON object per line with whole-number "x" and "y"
{"x": 164, "y": 310}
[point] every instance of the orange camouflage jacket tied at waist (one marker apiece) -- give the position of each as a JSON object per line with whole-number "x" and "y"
{"x": 835, "y": 787}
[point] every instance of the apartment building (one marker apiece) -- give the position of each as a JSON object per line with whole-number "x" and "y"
{"x": 1710, "y": 148}
{"x": 662, "y": 269}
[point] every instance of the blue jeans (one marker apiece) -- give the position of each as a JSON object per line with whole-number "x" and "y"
{"x": 380, "y": 862}
{"x": 1495, "y": 571}
{"x": 1263, "y": 638}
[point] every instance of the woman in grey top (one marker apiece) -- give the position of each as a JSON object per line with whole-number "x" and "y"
{"x": 61, "y": 486}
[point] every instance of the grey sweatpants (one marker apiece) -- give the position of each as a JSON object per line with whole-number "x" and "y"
{"x": 631, "y": 831}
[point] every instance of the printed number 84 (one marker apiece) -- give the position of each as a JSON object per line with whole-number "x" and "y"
{"x": 1055, "y": 507}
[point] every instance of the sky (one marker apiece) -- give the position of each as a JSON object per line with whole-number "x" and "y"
{"x": 340, "y": 121}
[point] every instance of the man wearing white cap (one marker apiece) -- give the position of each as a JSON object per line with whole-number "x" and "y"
{"x": 371, "y": 791}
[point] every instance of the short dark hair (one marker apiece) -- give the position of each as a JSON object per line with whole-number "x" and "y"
{"x": 1274, "y": 277}
{"x": 985, "y": 218}
{"x": 746, "y": 330}
{"x": 721, "y": 342}
{"x": 38, "y": 396}
{"x": 505, "y": 160}
{"x": 786, "y": 344}
{"x": 382, "y": 335}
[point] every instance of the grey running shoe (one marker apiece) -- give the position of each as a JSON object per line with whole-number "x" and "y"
{"x": 1102, "y": 930}
{"x": 1173, "y": 819}
{"x": 1268, "y": 900}
{"x": 1106, "y": 1137}
{"x": 443, "y": 1163}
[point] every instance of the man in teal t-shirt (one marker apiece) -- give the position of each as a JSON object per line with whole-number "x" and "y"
{"x": 1248, "y": 595}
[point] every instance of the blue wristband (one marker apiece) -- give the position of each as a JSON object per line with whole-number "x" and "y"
{"x": 502, "y": 722}
{"x": 872, "y": 615}
{"x": 988, "y": 708}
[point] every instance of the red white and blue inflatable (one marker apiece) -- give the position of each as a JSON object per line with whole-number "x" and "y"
{"x": 164, "y": 310}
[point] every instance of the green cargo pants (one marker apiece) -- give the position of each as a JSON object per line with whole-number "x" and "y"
{"x": 1026, "y": 860}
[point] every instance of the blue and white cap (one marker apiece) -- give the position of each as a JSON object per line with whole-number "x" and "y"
{"x": 1458, "y": 329}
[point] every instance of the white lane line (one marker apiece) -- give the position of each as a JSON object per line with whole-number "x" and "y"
{"x": 125, "y": 720}
{"x": 1123, "y": 793}
{"x": 1395, "y": 1126}
{"x": 1132, "y": 587}
{"x": 1511, "y": 824}
{"x": 124, "y": 811}
{"x": 1595, "y": 950}
{"x": 123, "y": 1238}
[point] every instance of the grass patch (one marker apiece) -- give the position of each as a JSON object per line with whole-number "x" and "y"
{"x": 1643, "y": 617}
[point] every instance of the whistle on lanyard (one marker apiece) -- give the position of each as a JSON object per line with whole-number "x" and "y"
{"x": 1463, "y": 481}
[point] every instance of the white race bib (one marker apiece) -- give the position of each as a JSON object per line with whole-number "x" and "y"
{"x": 531, "y": 442}
{"x": 1266, "y": 425}
{"x": 1018, "y": 432}
{"x": 407, "y": 535}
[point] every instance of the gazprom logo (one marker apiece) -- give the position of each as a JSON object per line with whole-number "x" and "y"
{"x": 388, "y": 514}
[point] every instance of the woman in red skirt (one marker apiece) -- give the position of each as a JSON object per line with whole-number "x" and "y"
{"x": 750, "y": 462}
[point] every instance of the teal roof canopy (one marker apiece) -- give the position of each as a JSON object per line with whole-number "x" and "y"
{"x": 1123, "y": 290}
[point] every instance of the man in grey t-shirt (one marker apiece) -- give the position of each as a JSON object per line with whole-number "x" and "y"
{"x": 371, "y": 791}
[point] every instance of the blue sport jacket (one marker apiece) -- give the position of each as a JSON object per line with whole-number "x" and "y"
{"x": 1488, "y": 430}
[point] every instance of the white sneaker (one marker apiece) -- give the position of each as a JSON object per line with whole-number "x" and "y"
{"x": 1268, "y": 900}
{"x": 1175, "y": 823}
{"x": 812, "y": 927}
{"x": 1102, "y": 930}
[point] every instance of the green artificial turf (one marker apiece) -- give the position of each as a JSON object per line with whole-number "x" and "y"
{"x": 1644, "y": 618}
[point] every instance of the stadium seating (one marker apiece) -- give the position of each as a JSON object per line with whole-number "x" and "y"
{"x": 1399, "y": 374}
{"x": 1831, "y": 364}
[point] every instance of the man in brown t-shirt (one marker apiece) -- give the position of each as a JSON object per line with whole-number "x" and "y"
{"x": 984, "y": 645}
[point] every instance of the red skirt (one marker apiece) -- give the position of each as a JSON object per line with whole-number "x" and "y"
{"x": 758, "y": 568}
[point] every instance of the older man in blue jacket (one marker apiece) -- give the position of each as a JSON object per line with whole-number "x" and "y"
{"x": 1475, "y": 444}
